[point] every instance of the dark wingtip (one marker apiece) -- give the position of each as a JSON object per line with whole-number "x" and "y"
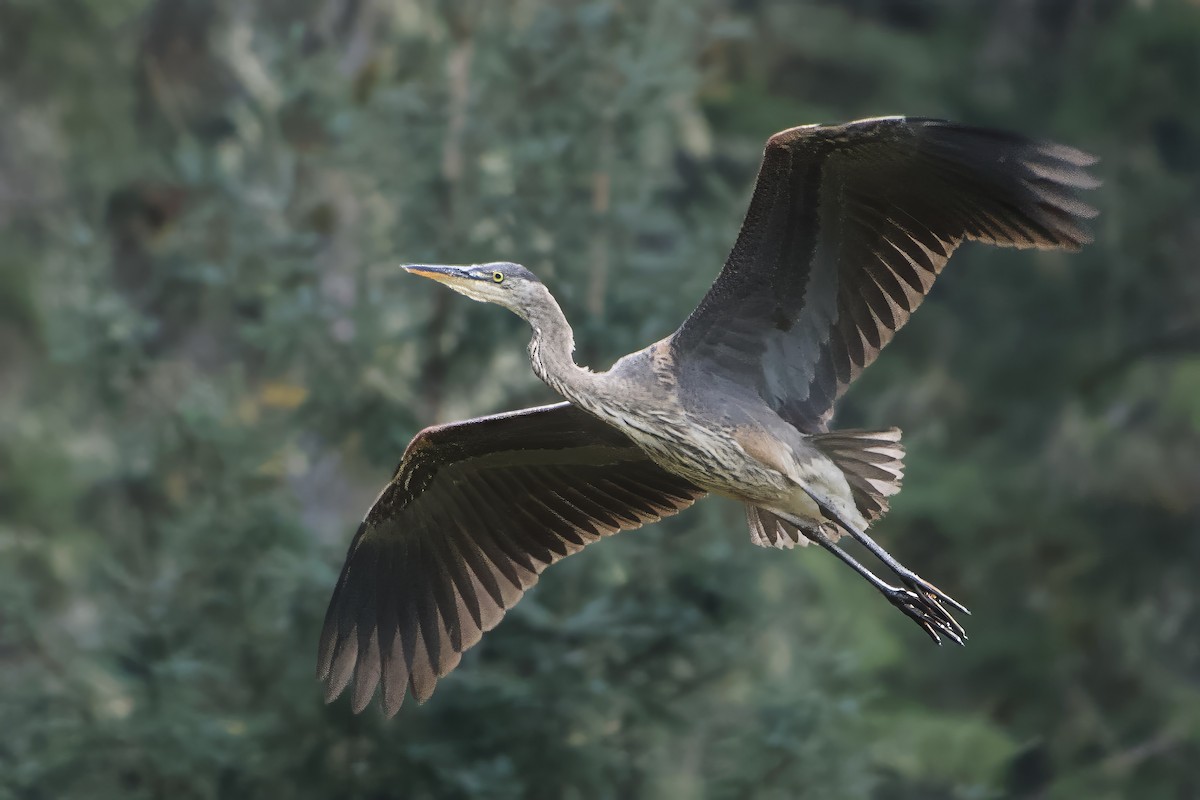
{"x": 1073, "y": 156}
{"x": 391, "y": 707}
{"x": 341, "y": 671}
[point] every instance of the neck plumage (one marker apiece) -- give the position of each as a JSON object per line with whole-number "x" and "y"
{"x": 550, "y": 351}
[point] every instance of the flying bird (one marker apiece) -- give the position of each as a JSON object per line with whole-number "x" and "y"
{"x": 848, "y": 227}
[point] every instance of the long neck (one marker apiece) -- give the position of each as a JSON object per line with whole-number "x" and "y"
{"x": 550, "y": 351}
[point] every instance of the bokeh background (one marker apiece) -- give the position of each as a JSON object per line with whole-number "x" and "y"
{"x": 209, "y": 364}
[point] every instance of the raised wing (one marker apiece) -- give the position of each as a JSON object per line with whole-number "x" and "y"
{"x": 848, "y": 227}
{"x": 475, "y": 512}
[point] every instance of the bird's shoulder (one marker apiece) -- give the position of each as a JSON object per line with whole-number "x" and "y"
{"x": 655, "y": 362}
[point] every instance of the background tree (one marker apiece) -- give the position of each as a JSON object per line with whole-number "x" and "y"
{"x": 210, "y": 363}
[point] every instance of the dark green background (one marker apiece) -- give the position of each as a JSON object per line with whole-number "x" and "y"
{"x": 209, "y": 364}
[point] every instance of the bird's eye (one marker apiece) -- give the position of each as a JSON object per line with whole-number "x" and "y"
{"x": 498, "y": 277}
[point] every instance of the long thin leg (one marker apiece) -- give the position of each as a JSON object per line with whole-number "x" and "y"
{"x": 909, "y": 578}
{"x": 918, "y": 606}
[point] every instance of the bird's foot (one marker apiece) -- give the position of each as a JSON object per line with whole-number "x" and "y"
{"x": 918, "y": 584}
{"x": 915, "y": 583}
{"x": 925, "y": 610}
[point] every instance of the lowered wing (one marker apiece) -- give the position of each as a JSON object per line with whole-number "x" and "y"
{"x": 474, "y": 513}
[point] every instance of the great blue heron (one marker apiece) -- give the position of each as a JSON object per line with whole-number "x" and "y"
{"x": 847, "y": 229}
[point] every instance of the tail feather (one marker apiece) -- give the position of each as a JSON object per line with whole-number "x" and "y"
{"x": 768, "y": 530}
{"x": 873, "y": 463}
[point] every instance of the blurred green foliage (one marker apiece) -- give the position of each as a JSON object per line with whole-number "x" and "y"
{"x": 209, "y": 363}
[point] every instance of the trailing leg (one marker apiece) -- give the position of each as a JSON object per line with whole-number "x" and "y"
{"x": 872, "y": 463}
{"x": 907, "y": 577}
{"x": 919, "y": 606}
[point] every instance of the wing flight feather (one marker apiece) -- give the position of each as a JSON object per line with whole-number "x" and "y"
{"x": 474, "y": 513}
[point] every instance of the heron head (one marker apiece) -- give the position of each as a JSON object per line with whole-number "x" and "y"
{"x": 500, "y": 282}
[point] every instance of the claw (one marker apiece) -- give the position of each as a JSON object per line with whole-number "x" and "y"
{"x": 924, "y": 609}
{"x": 952, "y": 630}
{"x": 916, "y": 583}
{"x": 950, "y": 626}
{"x": 954, "y": 637}
{"x": 947, "y": 618}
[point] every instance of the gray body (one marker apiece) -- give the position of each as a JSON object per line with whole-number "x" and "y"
{"x": 721, "y": 436}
